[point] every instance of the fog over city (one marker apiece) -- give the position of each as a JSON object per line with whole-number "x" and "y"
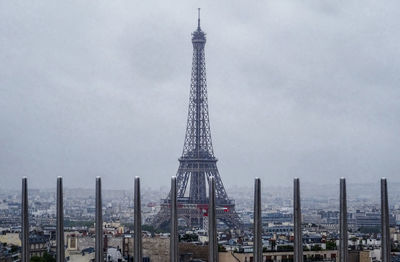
{"x": 295, "y": 89}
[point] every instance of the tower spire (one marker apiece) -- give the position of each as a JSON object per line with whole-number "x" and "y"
{"x": 198, "y": 19}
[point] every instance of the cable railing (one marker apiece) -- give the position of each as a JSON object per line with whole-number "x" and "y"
{"x": 212, "y": 222}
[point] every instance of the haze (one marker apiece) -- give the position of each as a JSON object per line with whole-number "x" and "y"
{"x": 305, "y": 89}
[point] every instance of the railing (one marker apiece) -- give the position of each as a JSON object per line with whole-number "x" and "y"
{"x": 212, "y": 231}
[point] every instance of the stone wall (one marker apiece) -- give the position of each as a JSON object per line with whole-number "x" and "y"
{"x": 156, "y": 248}
{"x": 194, "y": 251}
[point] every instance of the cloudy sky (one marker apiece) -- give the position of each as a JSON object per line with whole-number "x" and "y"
{"x": 296, "y": 88}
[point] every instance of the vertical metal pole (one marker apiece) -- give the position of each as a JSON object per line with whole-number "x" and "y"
{"x": 60, "y": 252}
{"x": 25, "y": 222}
{"x": 343, "y": 240}
{"x": 173, "y": 250}
{"x": 99, "y": 256}
{"x": 137, "y": 223}
{"x": 385, "y": 222}
{"x": 257, "y": 249}
{"x": 212, "y": 223}
{"x": 298, "y": 238}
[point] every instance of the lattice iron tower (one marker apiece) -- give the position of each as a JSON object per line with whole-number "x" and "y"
{"x": 198, "y": 162}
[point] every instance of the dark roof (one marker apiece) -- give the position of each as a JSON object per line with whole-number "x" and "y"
{"x": 88, "y": 250}
{"x": 37, "y": 239}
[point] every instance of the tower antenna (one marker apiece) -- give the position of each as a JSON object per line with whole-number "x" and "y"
{"x": 198, "y": 20}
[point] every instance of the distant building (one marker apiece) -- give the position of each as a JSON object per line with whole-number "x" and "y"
{"x": 325, "y": 255}
{"x": 372, "y": 219}
{"x": 85, "y": 255}
{"x": 72, "y": 242}
{"x": 114, "y": 255}
{"x": 157, "y": 248}
{"x": 9, "y": 253}
{"x": 127, "y": 246}
{"x": 39, "y": 244}
{"x": 278, "y": 229}
{"x": 276, "y": 217}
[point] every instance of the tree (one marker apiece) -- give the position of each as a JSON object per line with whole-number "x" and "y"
{"x": 14, "y": 249}
{"x": 189, "y": 238}
{"x": 46, "y": 258}
{"x": 285, "y": 248}
{"x": 331, "y": 245}
{"x": 221, "y": 248}
{"x": 36, "y": 259}
{"x": 316, "y": 248}
{"x": 273, "y": 244}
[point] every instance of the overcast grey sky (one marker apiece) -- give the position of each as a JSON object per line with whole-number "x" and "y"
{"x": 296, "y": 88}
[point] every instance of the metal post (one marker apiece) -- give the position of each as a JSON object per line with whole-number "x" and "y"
{"x": 137, "y": 251}
{"x": 385, "y": 222}
{"x": 343, "y": 240}
{"x": 60, "y": 252}
{"x": 25, "y": 222}
{"x": 298, "y": 239}
{"x": 212, "y": 223}
{"x": 174, "y": 223}
{"x": 257, "y": 249}
{"x": 99, "y": 256}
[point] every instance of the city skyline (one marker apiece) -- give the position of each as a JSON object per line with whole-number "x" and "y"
{"x": 305, "y": 91}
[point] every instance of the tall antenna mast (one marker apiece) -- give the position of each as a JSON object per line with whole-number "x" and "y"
{"x": 198, "y": 20}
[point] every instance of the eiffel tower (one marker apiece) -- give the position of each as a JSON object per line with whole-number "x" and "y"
{"x": 198, "y": 162}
